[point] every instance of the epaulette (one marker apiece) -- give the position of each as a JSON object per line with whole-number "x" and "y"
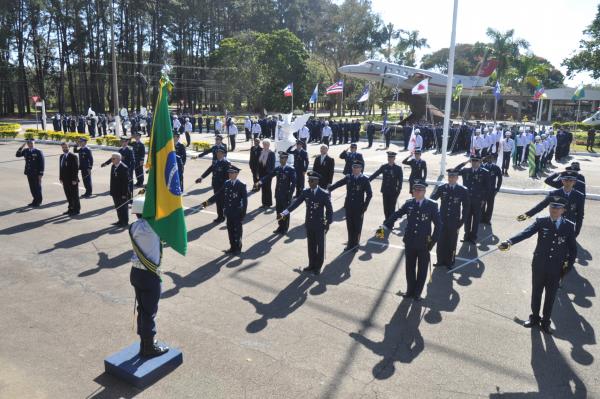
{"x": 577, "y": 191}
{"x": 570, "y": 221}
{"x": 482, "y": 168}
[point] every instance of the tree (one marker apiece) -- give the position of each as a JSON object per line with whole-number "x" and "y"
{"x": 405, "y": 51}
{"x": 468, "y": 56}
{"x": 505, "y": 48}
{"x": 588, "y": 57}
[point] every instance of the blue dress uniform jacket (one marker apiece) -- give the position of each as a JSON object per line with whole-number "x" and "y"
{"x": 350, "y": 158}
{"x": 235, "y": 203}
{"x": 219, "y": 176}
{"x": 418, "y": 170}
{"x": 419, "y": 219}
{"x": 86, "y": 159}
{"x": 555, "y": 246}
{"x": 285, "y": 183}
{"x": 390, "y": 186}
{"x": 34, "y": 168}
{"x": 319, "y": 215}
{"x": 139, "y": 153}
{"x": 478, "y": 184}
{"x": 213, "y": 150}
{"x": 358, "y": 196}
{"x": 573, "y": 210}
{"x": 300, "y": 165}
{"x": 554, "y": 181}
{"x": 418, "y": 239}
{"x": 453, "y": 211}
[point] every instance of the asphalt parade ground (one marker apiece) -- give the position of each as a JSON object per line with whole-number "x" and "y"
{"x": 251, "y": 326}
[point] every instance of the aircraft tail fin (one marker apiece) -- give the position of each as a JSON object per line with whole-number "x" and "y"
{"x": 487, "y": 68}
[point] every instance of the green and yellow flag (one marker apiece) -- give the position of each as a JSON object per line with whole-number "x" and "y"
{"x": 162, "y": 207}
{"x": 531, "y": 159}
{"x": 457, "y": 91}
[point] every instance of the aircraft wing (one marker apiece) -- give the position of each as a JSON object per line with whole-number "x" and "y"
{"x": 299, "y": 122}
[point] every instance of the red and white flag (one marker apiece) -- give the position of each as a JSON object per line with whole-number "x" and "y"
{"x": 412, "y": 142}
{"x": 422, "y": 87}
{"x": 288, "y": 90}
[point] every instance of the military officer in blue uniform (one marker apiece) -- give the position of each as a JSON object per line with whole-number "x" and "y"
{"x": 554, "y": 181}
{"x": 128, "y": 159}
{"x": 418, "y": 168}
{"x": 285, "y": 182}
{"x": 220, "y": 172}
{"x": 454, "y": 205}
{"x": 370, "y": 133}
{"x": 34, "y": 170}
{"x": 391, "y": 184}
{"x": 139, "y": 153}
{"x": 351, "y": 157}
{"x": 495, "y": 185}
{"x": 213, "y": 150}
{"x": 235, "y": 203}
{"x": 181, "y": 154}
{"x": 553, "y": 257}
{"x": 86, "y": 163}
{"x": 477, "y": 180}
{"x": 419, "y": 237}
{"x": 319, "y": 215}
{"x": 145, "y": 279}
{"x": 119, "y": 190}
{"x": 300, "y": 164}
{"x": 358, "y": 196}
{"x": 574, "y": 207}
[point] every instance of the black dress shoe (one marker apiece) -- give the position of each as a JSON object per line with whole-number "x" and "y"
{"x": 405, "y": 294}
{"x": 438, "y": 264}
{"x": 66, "y": 213}
{"x": 278, "y": 231}
{"x": 219, "y": 220}
{"x": 73, "y": 213}
{"x": 417, "y": 298}
{"x": 545, "y": 326}
{"x": 123, "y": 224}
{"x": 531, "y": 323}
{"x": 115, "y": 223}
{"x": 308, "y": 269}
{"x": 31, "y": 204}
{"x": 151, "y": 348}
{"x": 228, "y": 251}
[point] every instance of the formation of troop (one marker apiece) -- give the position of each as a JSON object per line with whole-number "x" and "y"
{"x": 431, "y": 221}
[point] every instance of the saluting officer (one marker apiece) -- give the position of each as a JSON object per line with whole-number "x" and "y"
{"x": 68, "y": 167}
{"x": 235, "y": 203}
{"x": 553, "y": 257}
{"x": 213, "y": 150}
{"x": 285, "y": 181}
{"x": 351, "y": 158}
{"x": 145, "y": 279}
{"x": 34, "y": 170}
{"x": 419, "y": 238}
{"x": 319, "y": 215}
{"x": 139, "y": 153}
{"x": 575, "y": 201}
{"x": 495, "y": 185}
{"x": 300, "y": 164}
{"x": 391, "y": 184}
{"x": 418, "y": 168}
{"x": 358, "y": 196}
{"x": 555, "y": 181}
{"x": 86, "y": 163}
{"x": 454, "y": 205}
{"x": 477, "y": 180}
{"x": 220, "y": 172}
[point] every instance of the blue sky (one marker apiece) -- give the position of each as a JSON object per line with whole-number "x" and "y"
{"x": 553, "y": 28}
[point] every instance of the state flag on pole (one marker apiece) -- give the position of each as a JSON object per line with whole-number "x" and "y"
{"x": 422, "y": 87}
{"x": 365, "y": 95}
{"x": 412, "y": 142}
{"x": 288, "y": 90}
{"x": 336, "y": 88}
{"x": 579, "y": 93}
{"x": 315, "y": 94}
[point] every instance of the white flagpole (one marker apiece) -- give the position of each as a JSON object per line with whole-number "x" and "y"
{"x": 292, "y": 98}
{"x": 449, "y": 90}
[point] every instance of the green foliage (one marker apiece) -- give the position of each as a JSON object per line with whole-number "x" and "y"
{"x": 262, "y": 65}
{"x": 467, "y": 58}
{"x": 588, "y": 58}
{"x": 573, "y": 126}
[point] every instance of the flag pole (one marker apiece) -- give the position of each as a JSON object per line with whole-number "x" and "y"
{"x": 495, "y": 107}
{"x": 292, "y": 98}
{"x": 449, "y": 90}
{"x": 342, "y": 104}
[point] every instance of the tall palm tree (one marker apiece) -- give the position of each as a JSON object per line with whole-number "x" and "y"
{"x": 390, "y": 34}
{"x": 407, "y": 46}
{"x": 505, "y": 47}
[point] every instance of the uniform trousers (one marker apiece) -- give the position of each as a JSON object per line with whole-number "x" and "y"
{"x": 280, "y": 205}
{"x": 36, "y": 188}
{"x": 446, "y": 245}
{"x": 544, "y": 280}
{"x": 86, "y": 177}
{"x": 72, "y": 193}
{"x": 234, "y": 231}
{"x": 315, "y": 238}
{"x": 473, "y": 219}
{"x": 389, "y": 204}
{"x": 354, "y": 222}
{"x": 417, "y": 261}
{"x": 122, "y": 209}
{"x": 147, "y": 293}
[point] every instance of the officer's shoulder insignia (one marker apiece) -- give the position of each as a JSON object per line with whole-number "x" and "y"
{"x": 484, "y": 169}
{"x": 570, "y": 221}
{"x": 577, "y": 191}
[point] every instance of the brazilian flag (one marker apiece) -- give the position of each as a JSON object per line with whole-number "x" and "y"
{"x": 162, "y": 207}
